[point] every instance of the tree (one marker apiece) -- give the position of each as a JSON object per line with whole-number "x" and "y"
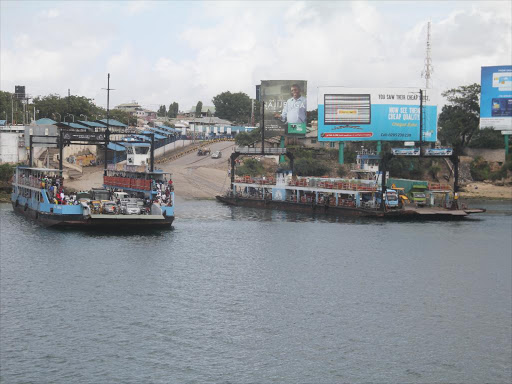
{"x": 199, "y": 108}
{"x": 459, "y": 120}
{"x": 247, "y": 138}
{"x": 162, "y": 111}
{"x": 311, "y": 167}
{"x": 56, "y": 107}
{"x": 487, "y": 138}
{"x": 312, "y": 115}
{"x": 235, "y": 107}
{"x": 173, "y": 110}
{"x": 250, "y": 167}
{"x": 6, "y": 106}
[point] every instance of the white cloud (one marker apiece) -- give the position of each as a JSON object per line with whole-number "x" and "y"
{"x": 50, "y": 13}
{"x": 232, "y": 46}
{"x": 137, "y": 7}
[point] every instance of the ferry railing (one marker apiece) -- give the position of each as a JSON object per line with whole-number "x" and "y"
{"x": 256, "y": 151}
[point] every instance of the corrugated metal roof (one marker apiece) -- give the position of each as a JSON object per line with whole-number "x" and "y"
{"x": 166, "y": 128}
{"x": 138, "y": 144}
{"x": 72, "y": 125}
{"x": 92, "y": 124}
{"x": 116, "y": 147}
{"x": 45, "y": 121}
{"x": 159, "y": 131}
{"x": 112, "y": 123}
{"x": 157, "y": 136}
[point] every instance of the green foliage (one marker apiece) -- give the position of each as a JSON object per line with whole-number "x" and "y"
{"x": 434, "y": 169}
{"x": 311, "y": 167}
{"x": 459, "y": 120}
{"x": 503, "y": 171}
{"x": 312, "y": 115}
{"x": 56, "y": 108}
{"x": 247, "y": 138}
{"x": 250, "y": 167}
{"x": 6, "y": 171}
{"x": 173, "y": 110}
{"x": 122, "y": 116}
{"x": 406, "y": 168}
{"x": 341, "y": 171}
{"x": 487, "y": 138}
{"x": 6, "y": 106}
{"x": 162, "y": 111}
{"x": 480, "y": 169}
{"x": 235, "y": 107}
{"x": 199, "y": 108}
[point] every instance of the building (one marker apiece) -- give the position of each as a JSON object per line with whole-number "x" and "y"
{"x": 135, "y": 110}
{"x": 206, "y": 111}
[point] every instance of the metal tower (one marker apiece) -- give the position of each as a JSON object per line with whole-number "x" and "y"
{"x": 428, "y": 69}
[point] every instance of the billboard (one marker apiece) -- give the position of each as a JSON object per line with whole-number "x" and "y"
{"x": 19, "y": 92}
{"x": 371, "y": 114}
{"x": 496, "y": 98}
{"x": 285, "y": 106}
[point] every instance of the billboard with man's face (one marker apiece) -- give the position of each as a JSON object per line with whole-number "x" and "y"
{"x": 362, "y": 114}
{"x": 285, "y": 106}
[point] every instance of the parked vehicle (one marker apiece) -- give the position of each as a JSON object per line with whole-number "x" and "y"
{"x": 130, "y": 209}
{"x": 121, "y": 195}
{"x": 418, "y": 194}
{"x": 96, "y": 206}
{"x": 109, "y": 207}
{"x": 391, "y": 198}
{"x": 216, "y": 155}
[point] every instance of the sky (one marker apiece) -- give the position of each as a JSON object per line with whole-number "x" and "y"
{"x": 170, "y": 51}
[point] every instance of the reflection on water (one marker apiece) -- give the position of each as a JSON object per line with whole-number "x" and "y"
{"x": 233, "y": 294}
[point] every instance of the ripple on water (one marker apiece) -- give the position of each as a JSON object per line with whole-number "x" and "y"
{"x": 245, "y": 295}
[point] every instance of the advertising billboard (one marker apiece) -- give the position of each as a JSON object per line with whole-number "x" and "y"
{"x": 496, "y": 98}
{"x": 285, "y": 106}
{"x": 388, "y": 114}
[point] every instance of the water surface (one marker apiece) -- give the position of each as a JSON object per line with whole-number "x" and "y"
{"x": 244, "y": 295}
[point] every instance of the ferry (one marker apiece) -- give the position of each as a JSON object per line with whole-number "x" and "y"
{"x": 39, "y": 194}
{"x": 334, "y": 196}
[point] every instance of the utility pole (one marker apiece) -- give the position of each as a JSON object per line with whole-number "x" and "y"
{"x": 262, "y": 127}
{"x": 252, "y": 112}
{"x": 107, "y": 131}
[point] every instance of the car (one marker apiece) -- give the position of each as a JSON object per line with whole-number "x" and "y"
{"x": 109, "y": 207}
{"x": 95, "y": 206}
{"x": 130, "y": 209}
{"x": 216, "y": 155}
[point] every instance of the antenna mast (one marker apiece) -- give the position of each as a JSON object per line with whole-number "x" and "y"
{"x": 428, "y": 69}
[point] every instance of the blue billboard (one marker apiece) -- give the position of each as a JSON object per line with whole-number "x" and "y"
{"x": 388, "y": 114}
{"x": 496, "y": 98}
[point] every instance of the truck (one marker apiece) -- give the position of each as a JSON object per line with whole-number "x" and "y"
{"x": 418, "y": 194}
{"x": 391, "y": 198}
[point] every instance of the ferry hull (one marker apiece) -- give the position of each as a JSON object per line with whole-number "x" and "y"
{"x": 297, "y": 207}
{"x": 94, "y": 221}
{"x": 396, "y": 214}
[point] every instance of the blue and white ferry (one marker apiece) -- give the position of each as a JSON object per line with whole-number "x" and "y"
{"x": 38, "y": 194}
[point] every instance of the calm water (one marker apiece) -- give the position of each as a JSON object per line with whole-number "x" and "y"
{"x": 239, "y": 295}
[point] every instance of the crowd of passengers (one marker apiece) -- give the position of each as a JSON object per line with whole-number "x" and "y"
{"x": 53, "y": 186}
{"x": 163, "y": 191}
